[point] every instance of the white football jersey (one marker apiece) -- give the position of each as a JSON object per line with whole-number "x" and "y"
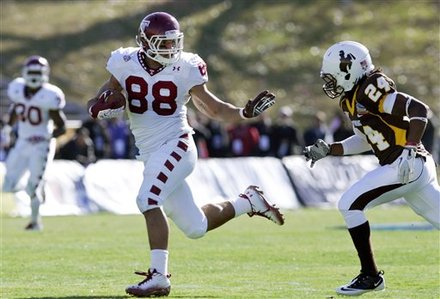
{"x": 156, "y": 100}
{"x": 33, "y": 112}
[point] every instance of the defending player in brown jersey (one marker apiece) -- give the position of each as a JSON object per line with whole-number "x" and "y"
{"x": 391, "y": 124}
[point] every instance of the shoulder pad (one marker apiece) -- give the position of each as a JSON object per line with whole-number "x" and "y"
{"x": 14, "y": 87}
{"x": 122, "y": 54}
{"x": 192, "y": 59}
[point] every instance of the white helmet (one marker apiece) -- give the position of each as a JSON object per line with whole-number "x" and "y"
{"x": 36, "y": 71}
{"x": 343, "y": 65}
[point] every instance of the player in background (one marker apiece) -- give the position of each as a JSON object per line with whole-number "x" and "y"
{"x": 36, "y": 109}
{"x": 159, "y": 79}
{"x": 391, "y": 123}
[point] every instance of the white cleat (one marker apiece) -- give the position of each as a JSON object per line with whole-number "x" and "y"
{"x": 154, "y": 285}
{"x": 261, "y": 206}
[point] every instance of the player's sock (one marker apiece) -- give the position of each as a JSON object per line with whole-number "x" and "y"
{"x": 241, "y": 206}
{"x": 159, "y": 260}
{"x": 361, "y": 240}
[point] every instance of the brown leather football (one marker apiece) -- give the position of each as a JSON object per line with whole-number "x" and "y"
{"x": 108, "y": 100}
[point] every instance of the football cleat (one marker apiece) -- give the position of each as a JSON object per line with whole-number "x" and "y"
{"x": 363, "y": 283}
{"x": 261, "y": 206}
{"x": 155, "y": 284}
{"x": 32, "y": 226}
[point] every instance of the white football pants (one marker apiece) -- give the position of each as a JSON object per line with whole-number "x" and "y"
{"x": 28, "y": 156}
{"x": 382, "y": 185}
{"x": 164, "y": 185}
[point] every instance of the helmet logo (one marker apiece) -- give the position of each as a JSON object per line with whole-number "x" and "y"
{"x": 146, "y": 23}
{"x": 345, "y": 63}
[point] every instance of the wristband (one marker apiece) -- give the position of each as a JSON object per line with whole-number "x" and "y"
{"x": 241, "y": 112}
{"x": 411, "y": 143}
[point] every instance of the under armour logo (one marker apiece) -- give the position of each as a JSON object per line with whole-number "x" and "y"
{"x": 345, "y": 63}
{"x": 176, "y": 68}
{"x": 126, "y": 58}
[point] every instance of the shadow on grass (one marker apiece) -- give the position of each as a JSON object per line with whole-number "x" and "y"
{"x": 108, "y": 297}
{"x": 77, "y": 297}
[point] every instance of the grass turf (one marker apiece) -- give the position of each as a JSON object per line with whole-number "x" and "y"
{"x": 93, "y": 257}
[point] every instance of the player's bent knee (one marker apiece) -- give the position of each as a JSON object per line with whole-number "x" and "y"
{"x": 195, "y": 232}
{"x": 145, "y": 205}
{"x": 353, "y": 218}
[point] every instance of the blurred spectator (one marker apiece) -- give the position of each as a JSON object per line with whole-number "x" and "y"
{"x": 341, "y": 127}
{"x": 244, "y": 139}
{"x": 318, "y": 130}
{"x": 285, "y": 139}
{"x": 79, "y": 148}
{"x": 218, "y": 141}
{"x": 119, "y": 134}
{"x": 263, "y": 124}
{"x": 428, "y": 136}
{"x": 431, "y": 138}
{"x": 201, "y": 133}
{"x": 100, "y": 137}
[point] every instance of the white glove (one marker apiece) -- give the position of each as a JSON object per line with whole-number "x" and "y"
{"x": 5, "y": 136}
{"x": 110, "y": 113}
{"x": 406, "y": 164}
{"x": 317, "y": 151}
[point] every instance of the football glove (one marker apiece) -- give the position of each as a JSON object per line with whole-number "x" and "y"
{"x": 5, "y": 136}
{"x": 317, "y": 151}
{"x": 257, "y": 105}
{"x": 406, "y": 164}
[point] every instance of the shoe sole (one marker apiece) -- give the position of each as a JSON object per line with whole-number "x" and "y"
{"x": 278, "y": 217}
{"x": 357, "y": 292}
{"x": 163, "y": 292}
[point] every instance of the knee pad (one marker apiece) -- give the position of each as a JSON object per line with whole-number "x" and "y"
{"x": 353, "y": 218}
{"x": 195, "y": 232}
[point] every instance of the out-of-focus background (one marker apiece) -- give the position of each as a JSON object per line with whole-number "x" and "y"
{"x": 248, "y": 45}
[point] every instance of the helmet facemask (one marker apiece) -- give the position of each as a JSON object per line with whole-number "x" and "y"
{"x": 331, "y": 87}
{"x": 36, "y": 72}
{"x": 165, "y": 49}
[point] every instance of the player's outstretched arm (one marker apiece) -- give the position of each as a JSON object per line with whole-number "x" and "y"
{"x": 213, "y": 107}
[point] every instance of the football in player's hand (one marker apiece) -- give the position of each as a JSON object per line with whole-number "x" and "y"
{"x": 109, "y": 100}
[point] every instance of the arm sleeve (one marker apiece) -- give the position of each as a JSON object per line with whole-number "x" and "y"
{"x": 355, "y": 144}
{"x": 59, "y": 101}
{"x": 198, "y": 73}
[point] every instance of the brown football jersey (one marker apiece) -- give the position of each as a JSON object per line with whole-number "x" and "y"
{"x": 386, "y": 133}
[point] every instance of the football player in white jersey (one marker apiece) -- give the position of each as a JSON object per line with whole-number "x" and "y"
{"x": 37, "y": 111}
{"x": 158, "y": 79}
{"x": 391, "y": 124}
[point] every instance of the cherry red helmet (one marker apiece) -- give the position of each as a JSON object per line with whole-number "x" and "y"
{"x": 160, "y": 37}
{"x": 36, "y": 71}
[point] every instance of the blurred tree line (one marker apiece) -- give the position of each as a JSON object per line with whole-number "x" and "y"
{"x": 249, "y": 45}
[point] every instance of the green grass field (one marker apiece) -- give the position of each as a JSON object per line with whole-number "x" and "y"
{"x": 94, "y": 257}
